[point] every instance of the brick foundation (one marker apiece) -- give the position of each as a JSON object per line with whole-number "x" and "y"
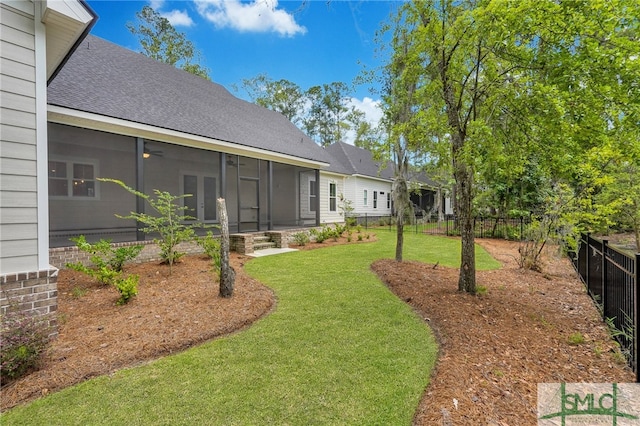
{"x": 32, "y": 292}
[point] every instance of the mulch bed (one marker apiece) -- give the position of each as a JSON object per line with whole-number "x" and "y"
{"x": 494, "y": 349}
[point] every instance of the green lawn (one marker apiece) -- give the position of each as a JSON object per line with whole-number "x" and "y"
{"x": 338, "y": 349}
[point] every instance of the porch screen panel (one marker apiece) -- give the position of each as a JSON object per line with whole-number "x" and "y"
{"x": 209, "y": 198}
{"x": 190, "y": 191}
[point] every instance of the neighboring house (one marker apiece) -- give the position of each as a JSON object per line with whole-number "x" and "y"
{"x": 118, "y": 114}
{"x": 367, "y": 184}
{"x": 36, "y": 38}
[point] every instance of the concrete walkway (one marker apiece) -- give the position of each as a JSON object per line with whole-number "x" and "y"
{"x": 270, "y": 251}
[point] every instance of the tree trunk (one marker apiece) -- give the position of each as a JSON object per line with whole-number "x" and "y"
{"x": 227, "y": 273}
{"x": 399, "y": 234}
{"x": 464, "y": 181}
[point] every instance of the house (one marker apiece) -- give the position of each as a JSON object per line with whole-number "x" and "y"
{"x": 355, "y": 175}
{"x": 36, "y": 39}
{"x": 118, "y": 114}
{"x": 114, "y": 113}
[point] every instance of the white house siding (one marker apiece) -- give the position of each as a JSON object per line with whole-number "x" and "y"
{"x": 356, "y": 187}
{"x": 18, "y": 128}
{"x": 327, "y": 216}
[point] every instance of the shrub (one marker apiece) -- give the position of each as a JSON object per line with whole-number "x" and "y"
{"x": 128, "y": 288}
{"x": 301, "y": 238}
{"x": 24, "y": 338}
{"x": 211, "y": 246}
{"x": 172, "y": 224}
{"x": 108, "y": 260}
{"x": 108, "y": 266}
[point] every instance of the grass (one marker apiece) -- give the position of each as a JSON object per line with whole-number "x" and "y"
{"x": 338, "y": 349}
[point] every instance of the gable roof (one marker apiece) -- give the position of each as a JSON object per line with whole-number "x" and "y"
{"x": 352, "y": 160}
{"x": 108, "y": 80}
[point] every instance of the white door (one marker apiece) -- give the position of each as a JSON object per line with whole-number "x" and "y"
{"x": 201, "y": 202}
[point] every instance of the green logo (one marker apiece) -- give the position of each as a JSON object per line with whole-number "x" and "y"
{"x": 599, "y": 402}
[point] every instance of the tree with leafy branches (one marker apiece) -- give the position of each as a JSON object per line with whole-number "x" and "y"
{"x": 161, "y": 41}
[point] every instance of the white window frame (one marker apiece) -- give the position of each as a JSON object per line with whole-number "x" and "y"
{"x": 333, "y": 197}
{"x": 69, "y": 163}
{"x": 388, "y": 200}
{"x": 366, "y": 196}
{"x": 375, "y": 199}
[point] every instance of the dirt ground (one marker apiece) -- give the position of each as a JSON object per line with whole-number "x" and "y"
{"x": 494, "y": 348}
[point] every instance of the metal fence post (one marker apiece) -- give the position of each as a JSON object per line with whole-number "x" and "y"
{"x": 587, "y": 266}
{"x": 604, "y": 280}
{"x": 636, "y": 319}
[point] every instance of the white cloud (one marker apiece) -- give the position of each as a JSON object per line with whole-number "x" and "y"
{"x": 156, "y": 4}
{"x": 256, "y": 16}
{"x": 178, "y": 18}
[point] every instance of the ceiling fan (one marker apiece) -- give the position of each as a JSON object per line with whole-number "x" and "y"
{"x": 148, "y": 152}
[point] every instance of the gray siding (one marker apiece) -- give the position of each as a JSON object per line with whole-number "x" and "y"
{"x": 18, "y": 187}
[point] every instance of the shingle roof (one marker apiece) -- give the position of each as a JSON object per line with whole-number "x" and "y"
{"x": 349, "y": 159}
{"x": 109, "y": 80}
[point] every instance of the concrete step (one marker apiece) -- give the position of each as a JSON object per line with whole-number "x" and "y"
{"x": 263, "y": 245}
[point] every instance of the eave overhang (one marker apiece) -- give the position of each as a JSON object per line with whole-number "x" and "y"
{"x": 87, "y": 120}
{"x": 67, "y": 22}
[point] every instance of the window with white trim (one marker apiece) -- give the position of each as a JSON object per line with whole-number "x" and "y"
{"x": 333, "y": 202}
{"x": 366, "y": 196}
{"x": 73, "y": 179}
{"x": 375, "y": 199}
{"x": 388, "y": 200}
{"x": 312, "y": 196}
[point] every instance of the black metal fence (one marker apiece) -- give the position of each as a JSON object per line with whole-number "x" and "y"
{"x": 484, "y": 226}
{"x": 611, "y": 277}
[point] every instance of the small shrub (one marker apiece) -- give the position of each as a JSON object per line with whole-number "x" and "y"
{"x": 301, "y": 238}
{"x": 104, "y": 254}
{"x": 359, "y": 229}
{"x": 24, "y": 338}
{"x": 359, "y": 237}
{"x": 108, "y": 266}
{"x": 576, "y": 338}
{"x": 481, "y": 290}
{"x": 211, "y": 246}
{"x": 128, "y": 288}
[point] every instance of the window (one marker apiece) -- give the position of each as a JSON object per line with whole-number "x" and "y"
{"x": 72, "y": 179}
{"x": 332, "y": 197}
{"x": 365, "y": 197}
{"x": 388, "y": 200}
{"x": 375, "y": 199}
{"x": 312, "y": 196}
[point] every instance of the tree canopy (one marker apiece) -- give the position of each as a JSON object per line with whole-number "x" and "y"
{"x": 518, "y": 97}
{"x": 161, "y": 41}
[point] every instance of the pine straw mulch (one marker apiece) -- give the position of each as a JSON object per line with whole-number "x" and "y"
{"x": 494, "y": 349}
{"x": 169, "y": 314}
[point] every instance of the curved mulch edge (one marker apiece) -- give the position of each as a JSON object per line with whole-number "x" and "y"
{"x": 494, "y": 349}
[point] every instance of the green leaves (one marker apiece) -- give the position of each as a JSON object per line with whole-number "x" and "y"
{"x": 162, "y": 42}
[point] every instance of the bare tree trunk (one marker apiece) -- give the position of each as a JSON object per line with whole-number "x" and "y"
{"x": 227, "y": 273}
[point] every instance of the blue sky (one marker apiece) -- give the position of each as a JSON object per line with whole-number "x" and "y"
{"x": 308, "y": 42}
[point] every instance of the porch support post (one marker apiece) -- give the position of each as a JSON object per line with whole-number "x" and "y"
{"x": 223, "y": 175}
{"x": 139, "y": 184}
{"x": 269, "y": 195}
{"x": 318, "y": 203}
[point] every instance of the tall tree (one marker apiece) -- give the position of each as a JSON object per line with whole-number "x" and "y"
{"x": 508, "y": 85}
{"x": 326, "y": 119}
{"x": 282, "y": 96}
{"x": 161, "y": 41}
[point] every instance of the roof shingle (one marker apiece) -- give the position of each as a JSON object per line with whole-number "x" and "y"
{"x": 106, "y": 79}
